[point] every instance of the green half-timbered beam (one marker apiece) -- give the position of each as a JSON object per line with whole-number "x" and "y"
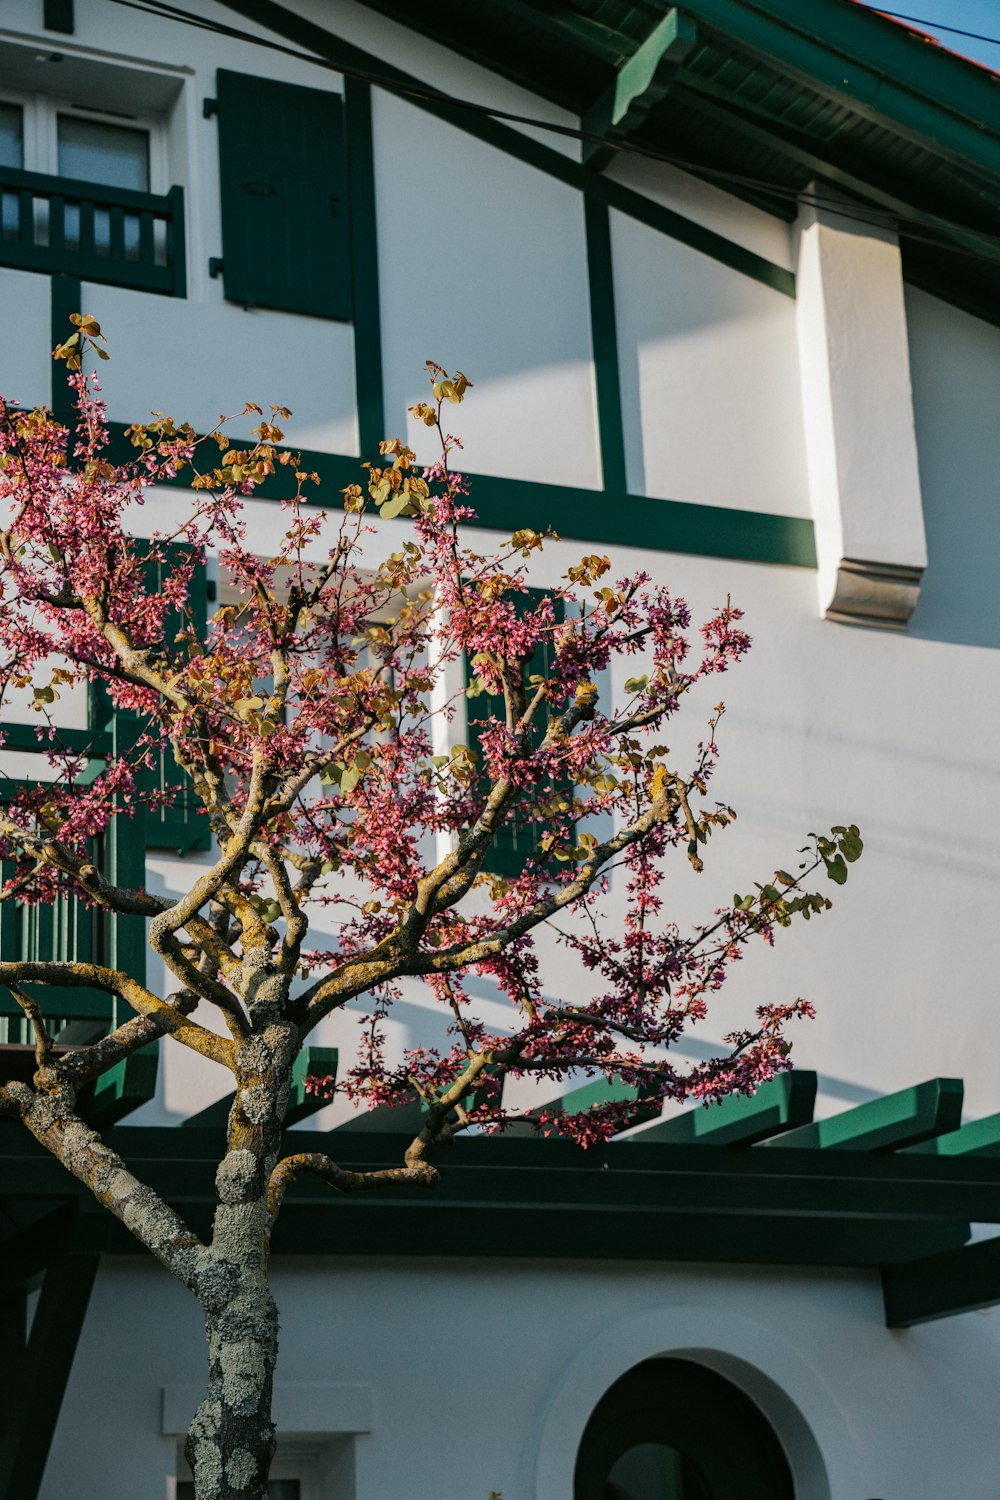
{"x": 886, "y": 1124}
{"x": 611, "y": 518}
{"x": 783, "y": 1103}
{"x": 580, "y": 35}
{"x": 640, "y": 84}
{"x": 77, "y": 741}
{"x": 939, "y": 1286}
{"x": 604, "y": 342}
{"x": 65, "y": 296}
{"x": 369, "y": 386}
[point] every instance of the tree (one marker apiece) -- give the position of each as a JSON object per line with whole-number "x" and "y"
{"x": 308, "y": 724}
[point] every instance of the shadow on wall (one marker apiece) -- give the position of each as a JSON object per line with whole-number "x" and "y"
{"x": 955, "y": 368}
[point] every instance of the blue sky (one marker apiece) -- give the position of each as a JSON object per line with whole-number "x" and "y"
{"x": 971, "y": 15}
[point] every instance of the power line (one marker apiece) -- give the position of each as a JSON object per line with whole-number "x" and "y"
{"x": 975, "y": 36}
{"x": 855, "y": 213}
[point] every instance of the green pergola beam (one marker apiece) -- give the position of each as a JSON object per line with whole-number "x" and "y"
{"x": 403, "y": 1119}
{"x": 977, "y": 1138}
{"x": 30, "y": 1408}
{"x": 588, "y": 1096}
{"x": 938, "y": 1286}
{"x": 640, "y": 83}
{"x": 385, "y": 1119}
{"x": 783, "y": 1103}
{"x": 886, "y": 1124}
{"x": 312, "y": 1062}
{"x": 44, "y": 1229}
{"x": 122, "y": 1089}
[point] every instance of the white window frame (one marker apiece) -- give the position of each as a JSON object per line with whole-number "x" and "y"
{"x": 296, "y": 1458}
{"x": 40, "y": 113}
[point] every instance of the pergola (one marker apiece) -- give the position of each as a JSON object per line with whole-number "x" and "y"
{"x": 892, "y": 1185}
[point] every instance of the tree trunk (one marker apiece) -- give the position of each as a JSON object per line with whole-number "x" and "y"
{"x": 230, "y": 1442}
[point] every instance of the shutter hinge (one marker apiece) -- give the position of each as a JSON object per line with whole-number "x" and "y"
{"x": 214, "y": 266}
{"x": 209, "y": 108}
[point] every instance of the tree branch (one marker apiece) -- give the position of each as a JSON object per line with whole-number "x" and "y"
{"x": 114, "y": 982}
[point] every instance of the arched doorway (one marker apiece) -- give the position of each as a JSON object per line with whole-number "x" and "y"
{"x": 671, "y": 1429}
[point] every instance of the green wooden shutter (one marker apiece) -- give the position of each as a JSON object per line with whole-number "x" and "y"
{"x": 283, "y": 180}
{"x": 514, "y": 842}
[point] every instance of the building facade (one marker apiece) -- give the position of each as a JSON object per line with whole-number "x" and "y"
{"x": 727, "y": 282}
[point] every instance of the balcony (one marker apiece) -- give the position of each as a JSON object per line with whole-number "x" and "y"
{"x": 82, "y": 229}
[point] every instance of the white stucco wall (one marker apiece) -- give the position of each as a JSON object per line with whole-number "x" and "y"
{"x": 482, "y": 267}
{"x": 709, "y": 375}
{"x": 482, "y": 1375}
{"x": 25, "y": 345}
{"x": 199, "y": 361}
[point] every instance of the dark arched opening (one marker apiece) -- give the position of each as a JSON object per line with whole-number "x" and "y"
{"x": 671, "y": 1429}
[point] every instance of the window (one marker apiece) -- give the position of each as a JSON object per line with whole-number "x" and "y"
{"x": 83, "y": 192}
{"x": 11, "y": 155}
{"x": 42, "y": 134}
{"x": 93, "y": 151}
{"x": 11, "y": 135}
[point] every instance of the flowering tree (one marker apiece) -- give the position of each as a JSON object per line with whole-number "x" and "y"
{"x": 309, "y": 724}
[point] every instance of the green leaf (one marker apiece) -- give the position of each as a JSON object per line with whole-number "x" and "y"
{"x": 350, "y": 779}
{"x": 636, "y": 684}
{"x": 396, "y": 507}
{"x": 851, "y": 847}
{"x": 837, "y": 870}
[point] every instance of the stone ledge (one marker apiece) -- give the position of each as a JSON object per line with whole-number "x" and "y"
{"x": 879, "y": 595}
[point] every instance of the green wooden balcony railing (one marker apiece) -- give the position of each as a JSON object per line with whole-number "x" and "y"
{"x": 97, "y": 233}
{"x": 67, "y": 929}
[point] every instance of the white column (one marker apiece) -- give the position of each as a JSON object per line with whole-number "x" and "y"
{"x": 858, "y": 411}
